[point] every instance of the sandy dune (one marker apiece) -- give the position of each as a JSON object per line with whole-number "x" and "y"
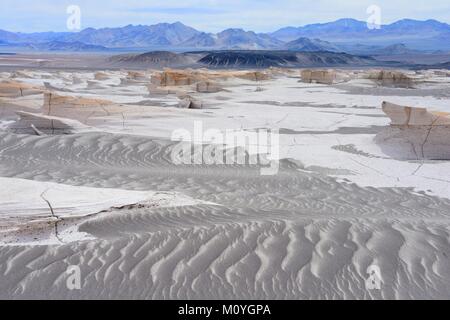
{"x": 141, "y": 226}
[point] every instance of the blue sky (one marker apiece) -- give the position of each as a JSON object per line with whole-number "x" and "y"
{"x": 209, "y": 15}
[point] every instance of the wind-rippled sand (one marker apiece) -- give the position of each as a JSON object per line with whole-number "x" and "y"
{"x": 292, "y": 235}
{"x": 337, "y": 206}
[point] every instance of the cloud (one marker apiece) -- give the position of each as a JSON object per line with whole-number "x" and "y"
{"x": 209, "y": 15}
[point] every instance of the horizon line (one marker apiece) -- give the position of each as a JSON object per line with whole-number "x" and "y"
{"x": 239, "y": 28}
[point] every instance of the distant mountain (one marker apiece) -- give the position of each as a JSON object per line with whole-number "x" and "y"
{"x": 14, "y": 38}
{"x": 376, "y": 50}
{"x": 322, "y": 30}
{"x": 6, "y": 36}
{"x": 233, "y": 39}
{"x": 395, "y": 49}
{"x": 201, "y": 40}
{"x": 264, "y": 59}
{"x": 238, "y": 59}
{"x": 415, "y": 27}
{"x": 154, "y": 59}
{"x": 445, "y": 65}
{"x": 306, "y": 44}
{"x": 66, "y": 46}
{"x": 240, "y": 39}
{"x": 248, "y": 59}
{"x": 422, "y": 35}
{"x": 347, "y": 35}
{"x": 162, "y": 34}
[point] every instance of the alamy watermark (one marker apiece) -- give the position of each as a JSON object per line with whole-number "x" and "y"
{"x": 73, "y": 22}
{"x": 229, "y": 147}
{"x": 374, "y": 19}
{"x": 374, "y": 280}
{"x": 73, "y": 281}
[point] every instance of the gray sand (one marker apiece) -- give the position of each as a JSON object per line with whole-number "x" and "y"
{"x": 273, "y": 237}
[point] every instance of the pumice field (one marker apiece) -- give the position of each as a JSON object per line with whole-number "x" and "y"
{"x": 358, "y": 186}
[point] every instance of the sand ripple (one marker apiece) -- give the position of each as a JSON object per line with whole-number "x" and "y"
{"x": 294, "y": 235}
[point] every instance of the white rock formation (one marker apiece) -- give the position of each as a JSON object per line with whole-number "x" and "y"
{"x": 208, "y": 87}
{"x": 137, "y": 76}
{"x": 95, "y": 84}
{"x": 395, "y": 79}
{"x": 101, "y": 76}
{"x": 14, "y": 89}
{"x": 318, "y": 76}
{"x": 187, "y": 102}
{"x": 415, "y": 133}
{"x": 51, "y": 87}
{"x": 74, "y": 107}
{"x": 31, "y": 123}
{"x": 154, "y": 90}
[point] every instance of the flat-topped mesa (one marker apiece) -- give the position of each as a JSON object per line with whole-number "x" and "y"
{"x": 30, "y": 123}
{"x": 74, "y": 107}
{"x": 415, "y": 133}
{"x": 319, "y": 76}
{"x": 14, "y": 89}
{"x": 413, "y": 116}
{"x": 395, "y": 79}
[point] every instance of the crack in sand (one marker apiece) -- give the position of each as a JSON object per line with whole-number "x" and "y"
{"x": 58, "y": 218}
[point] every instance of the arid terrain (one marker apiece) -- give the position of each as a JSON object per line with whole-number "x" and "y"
{"x": 87, "y": 179}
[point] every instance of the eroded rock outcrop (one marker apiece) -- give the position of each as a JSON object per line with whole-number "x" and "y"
{"x": 77, "y": 80}
{"x": 101, "y": 76}
{"x": 415, "y": 133}
{"x": 22, "y": 74}
{"x": 318, "y": 76}
{"x": 191, "y": 77}
{"x": 200, "y": 80}
{"x": 137, "y": 76}
{"x": 188, "y": 102}
{"x": 74, "y": 107}
{"x": 155, "y": 90}
{"x": 176, "y": 78}
{"x": 208, "y": 87}
{"x": 395, "y": 79}
{"x": 14, "y": 89}
{"x": 30, "y": 123}
{"x": 253, "y": 75}
{"x": 51, "y": 87}
{"x": 95, "y": 84}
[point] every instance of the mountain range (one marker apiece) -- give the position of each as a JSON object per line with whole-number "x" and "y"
{"x": 418, "y": 35}
{"x": 344, "y": 35}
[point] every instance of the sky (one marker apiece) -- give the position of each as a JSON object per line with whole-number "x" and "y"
{"x": 209, "y": 15}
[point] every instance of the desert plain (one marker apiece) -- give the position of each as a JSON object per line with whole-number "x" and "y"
{"x": 88, "y": 179}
